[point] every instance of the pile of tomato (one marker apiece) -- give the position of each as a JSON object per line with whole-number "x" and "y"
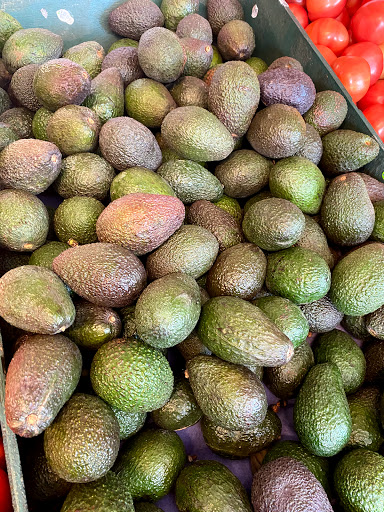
{"x": 350, "y": 36}
{"x": 5, "y": 493}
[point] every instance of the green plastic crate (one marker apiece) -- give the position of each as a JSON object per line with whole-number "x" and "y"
{"x": 277, "y": 33}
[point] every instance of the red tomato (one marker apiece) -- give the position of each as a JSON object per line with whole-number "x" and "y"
{"x": 298, "y": 2}
{"x": 374, "y": 95}
{"x": 368, "y": 23}
{"x": 5, "y": 493}
{"x": 355, "y": 75}
{"x": 352, "y": 6}
{"x": 372, "y": 54}
{"x": 344, "y": 18}
{"x": 300, "y": 13}
{"x": 329, "y": 32}
{"x": 382, "y": 50}
{"x": 2, "y": 455}
{"x": 375, "y": 115}
{"x": 328, "y": 54}
{"x": 324, "y": 8}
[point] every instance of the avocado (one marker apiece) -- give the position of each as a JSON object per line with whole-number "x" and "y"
{"x": 20, "y": 120}
{"x": 357, "y": 281}
{"x": 220, "y": 12}
{"x": 321, "y": 414}
{"x": 74, "y": 129}
{"x": 346, "y": 151}
{"x": 41, "y": 377}
{"x": 365, "y": 412}
{"x": 192, "y": 347}
{"x": 236, "y": 40}
{"x": 339, "y": 348}
{"x": 124, "y": 143}
{"x": 126, "y": 41}
{"x": 190, "y": 91}
{"x": 89, "y": 55}
{"x": 215, "y": 384}
{"x": 148, "y": 102}
{"x": 8, "y": 26}
{"x": 31, "y": 46}
{"x": 199, "y": 56}
{"x": 139, "y": 180}
{"x": 194, "y": 25}
{"x": 313, "y": 147}
{"x": 347, "y": 214}
{"x": 358, "y": 481}
{"x": 145, "y": 506}
{"x": 373, "y": 352}
{"x": 258, "y": 65}
{"x": 287, "y": 316}
{"x": 166, "y": 152}
{"x": 378, "y": 228}
{"x": 75, "y": 220}
{"x": 5, "y": 76}
{"x": 321, "y": 314}
{"x": 131, "y": 375}
{"x": 44, "y": 255}
{"x": 239, "y": 271}
{"x": 118, "y": 276}
{"x": 237, "y": 444}
{"x": 287, "y": 86}
{"x": 264, "y": 194}
{"x": 161, "y": 55}
{"x": 107, "y": 494}
{"x": 127, "y": 315}
{"x": 106, "y": 97}
{"x": 40, "y": 122}
{"x": 140, "y": 222}
{"x": 7, "y": 136}
{"x": 130, "y": 422}
{"x": 61, "y": 82}
{"x": 196, "y": 134}
{"x": 277, "y": 131}
{"x": 209, "y": 216}
{"x": 152, "y": 476}
{"x": 81, "y": 445}
{"x": 181, "y": 411}
{"x": 24, "y": 220}
{"x": 206, "y": 480}
{"x": 286, "y": 63}
{"x": 93, "y": 325}
{"x": 286, "y": 484}
{"x": 300, "y": 181}
{"x": 313, "y": 237}
{"x": 298, "y": 274}
{"x": 133, "y": 18}
{"x": 84, "y": 174}
{"x": 374, "y": 187}
{"x": 175, "y": 10}
{"x": 327, "y": 113}
{"x": 191, "y": 250}
{"x": 126, "y": 60}
{"x": 285, "y": 381}
{"x": 211, "y": 73}
{"x": 30, "y": 165}
{"x": 374, "y": 323}
{"x": 243, "y": 173}
{"x": 168, "y": 310}
{"x": 21, "y": 88}
{"x": 356, "y": 326}
{"x": 273, "y": 224}
{"x": 318, "y": 466}
{"x": 191, "y": 181}
{"x": 231, "y": 206}
{"x": 234, "y": 96}
{"x": 5, "y": 101}
{"x": 241, "y": 333}
{"x": 35, "y": 299}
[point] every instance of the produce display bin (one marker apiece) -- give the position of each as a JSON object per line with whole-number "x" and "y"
{"x": 277, "y": 33}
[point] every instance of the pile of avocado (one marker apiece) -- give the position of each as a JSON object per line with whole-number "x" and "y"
{"x": 214, "y": 214}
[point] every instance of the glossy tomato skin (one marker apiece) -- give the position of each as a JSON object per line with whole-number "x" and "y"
{"x": 300, "y": 13}
{"x": 375, "y": 115}
{"x": 382, "y": 51}
{"x": 372, "y": 54}
{"x": 2, "y": 455}
{"x": 324, "y": 8}
{"x": 302, "y": 3}
{"x": 328, "y": 54}
{"x": 5, "y": 493}
{"x": 355, "y": 75}
{"x": 368, "y": 23}
{"x": 374, "y": 96}
{"x": 352, "y": 6}
{"x": 329, "y": 32}
{"x": 344, "y": 18}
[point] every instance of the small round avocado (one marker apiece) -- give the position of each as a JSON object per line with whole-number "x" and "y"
{"x": 175, "y": 10}
{"x": 20, "y": 120}
{"x": 40, "y": 123}
{"x": 21, "y": 87}
{"x": 130, "y": 422}
{"x": 327, "y": 112}
{"x": 89, "y": 55}
{"x": 190, "y": 90}
{"x": 258, "y": 65}
{"x": 139, "y": 179}
{"x": 44, "y": 255}
{"x": 236, "y": 40}
{"x": 199, "y": 56}
{"x": 194, "y": 25}
{"x": 322, "y": 316}
{"x": 125, "y": 59}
